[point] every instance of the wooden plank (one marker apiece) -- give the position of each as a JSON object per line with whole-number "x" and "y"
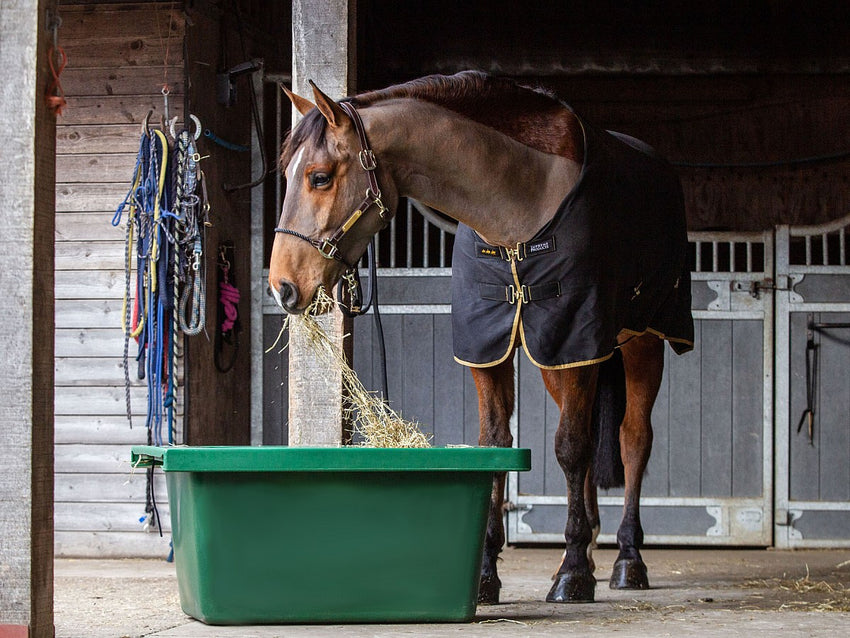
{"x": 531, "y": 417}
{"x": 95, "y": 167}
{"x": 120, "y": 109}
{"x": 804, "y": 459}
{"x": 88, "y": 371}
{"x": 93, "y": 227}
{"x": 106, "y": 517}
{"x": 417, "y": 396}
{"x": 102, "y": 138}
{"x": 101, "y": 198}
{"x": 833, "y": 410}
{"x": 449, "y": 379}
{"x": 98, "y": 429}
{"x": 121, "y": 80}
{"x": 102, "y": 458}
{"x": 275, "y": 383}
{"x": 747, "y": 409}
{"x": 135, "y": 544}
{"x": 107, "y": 488}
{"x": 120, "y": 37}
{"x": 716, "y": 409}
{"x": 555, "y": 482}
{"x": 655, "y": 482}
{"x": 99, "y": 401}
{"x": 89, "y": 313}
{"x": 394, "y": 340}
{"x": 90, "y": 284}
{"x": 90, "y": 342}
{"x": 685, "y": 426}
{"x": 90, "y": 255}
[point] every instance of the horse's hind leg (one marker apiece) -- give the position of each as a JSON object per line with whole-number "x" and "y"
{"x": 495, "y": 387}
{"x": 573, "y": 389}
{"x": 643, "y": 358}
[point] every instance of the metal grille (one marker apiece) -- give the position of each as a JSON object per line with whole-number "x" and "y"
{"x": 821, "y": 245}
{"x": 719, "y": 252}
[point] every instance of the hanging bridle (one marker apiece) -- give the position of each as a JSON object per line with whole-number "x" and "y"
{"x": 329, "y": 246}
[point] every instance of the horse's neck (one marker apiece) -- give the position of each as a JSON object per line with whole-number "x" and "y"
{"x": 499, "y": 187}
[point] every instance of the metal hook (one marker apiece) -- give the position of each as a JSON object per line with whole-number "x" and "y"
{"x": 146, "y": 131}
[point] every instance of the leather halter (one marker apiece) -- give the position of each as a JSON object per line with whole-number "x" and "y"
{"x": 329, "y": 246}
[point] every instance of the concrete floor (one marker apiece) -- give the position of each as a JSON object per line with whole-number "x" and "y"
{"x": 706, "y": 592}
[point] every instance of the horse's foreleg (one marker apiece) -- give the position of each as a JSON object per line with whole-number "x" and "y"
{"x": 495, "y": 405}
{"x": 643, "y": 358}
{"x": 573, "y": 389}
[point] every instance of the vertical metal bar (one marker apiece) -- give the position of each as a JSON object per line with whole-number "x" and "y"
{"x": 409, "y": 259}
{"x": 808, "y": 250}
{"x": 825, "y": 248}
{"x": 842, "y": 258}
{"x": 698, "y": 247}
{"x": 749, "y": 256}
{"x": 426, "y": 227}
{"x": 731, "y": 256}
{"x": 393, "y": 241}
{"x": 442, "y": 248}
{"x": 714, "y": 259}
{"x": 378, "y": 250}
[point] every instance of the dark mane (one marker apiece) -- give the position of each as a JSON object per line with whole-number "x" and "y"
{"x": 532, "y": 116}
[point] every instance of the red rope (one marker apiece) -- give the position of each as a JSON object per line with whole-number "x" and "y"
{"x": 55, "y": 97}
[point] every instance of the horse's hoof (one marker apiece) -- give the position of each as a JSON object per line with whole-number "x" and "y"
{"x": 488, "y": 590}
{"x": 629, "y": 573}
{"x": 572, "y": 587}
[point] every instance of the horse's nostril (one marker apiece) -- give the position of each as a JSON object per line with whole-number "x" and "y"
{"x": 288, "y": 294}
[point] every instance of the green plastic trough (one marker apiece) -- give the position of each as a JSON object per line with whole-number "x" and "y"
{"x": 329, "y": 535}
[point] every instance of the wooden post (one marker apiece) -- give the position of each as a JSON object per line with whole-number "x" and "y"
{"x": 27, "y": 181}
{"x": 323, "y": 49}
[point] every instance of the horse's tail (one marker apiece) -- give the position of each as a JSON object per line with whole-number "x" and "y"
{"x": 609, "y": 408}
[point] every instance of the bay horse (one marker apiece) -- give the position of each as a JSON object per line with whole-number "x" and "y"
{"x": 573, "y": 245}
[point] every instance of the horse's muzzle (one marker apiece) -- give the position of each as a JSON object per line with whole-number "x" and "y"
{"x": 286, "y": 295}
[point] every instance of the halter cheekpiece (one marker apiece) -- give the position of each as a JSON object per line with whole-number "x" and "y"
{"x": 329, "y": 246}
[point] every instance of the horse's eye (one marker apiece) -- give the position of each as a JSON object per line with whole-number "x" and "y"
{"x": 319, "y": 180}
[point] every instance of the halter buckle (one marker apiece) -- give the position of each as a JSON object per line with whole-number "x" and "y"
{"x": 367, "y": 159}
{"x": 328, "y": 249}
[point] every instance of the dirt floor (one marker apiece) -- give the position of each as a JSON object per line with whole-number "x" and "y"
{"x": 705, "y": 592}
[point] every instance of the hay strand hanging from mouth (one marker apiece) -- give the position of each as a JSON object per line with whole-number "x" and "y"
{"x": 371, "y": 416}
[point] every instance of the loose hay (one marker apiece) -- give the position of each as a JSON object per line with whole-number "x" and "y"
{"x": 370, "y": 415}
{"x": 806, "y": 594}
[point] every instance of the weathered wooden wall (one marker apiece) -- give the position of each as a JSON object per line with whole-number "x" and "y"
{"x": 119, "y": 57}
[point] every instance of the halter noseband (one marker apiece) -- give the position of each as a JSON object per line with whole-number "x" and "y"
{"x": 329, "y": 247}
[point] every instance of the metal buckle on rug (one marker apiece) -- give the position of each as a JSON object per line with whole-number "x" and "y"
{"x": 514, "y": 294}
{"x": 515, "y": 254}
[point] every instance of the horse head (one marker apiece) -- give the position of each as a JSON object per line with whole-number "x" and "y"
{"x": 332, "y": 206}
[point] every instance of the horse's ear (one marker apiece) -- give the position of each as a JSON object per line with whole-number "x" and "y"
{"x": 331, "y": 110}
{"x": 303, "y": 105}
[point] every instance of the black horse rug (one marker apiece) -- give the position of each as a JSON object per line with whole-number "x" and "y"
{"x": 613, "y": 258}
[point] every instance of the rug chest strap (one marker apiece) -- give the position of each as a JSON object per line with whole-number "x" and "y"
{"x": 523, "y": 294}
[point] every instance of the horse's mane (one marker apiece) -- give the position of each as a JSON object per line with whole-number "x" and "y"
{"x": 532, "y": 116}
